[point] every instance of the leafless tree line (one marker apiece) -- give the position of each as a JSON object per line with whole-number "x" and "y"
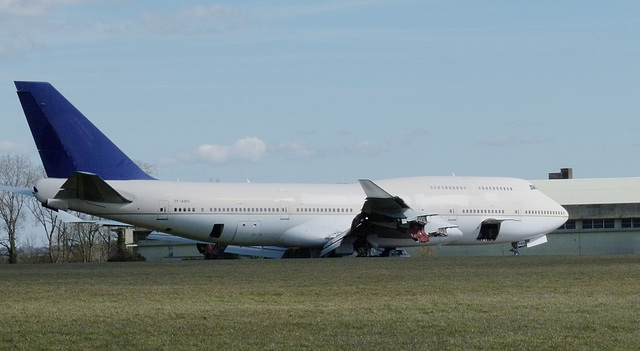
{"x": 64, "y": 242}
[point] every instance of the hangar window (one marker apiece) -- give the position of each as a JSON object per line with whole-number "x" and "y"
{"x": 568, "y": 225}
{"x": 597, "y": 223}
{"x": 631, "y": 223}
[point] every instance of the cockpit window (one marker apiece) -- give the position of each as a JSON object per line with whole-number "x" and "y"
{"x": 533, "y": 187}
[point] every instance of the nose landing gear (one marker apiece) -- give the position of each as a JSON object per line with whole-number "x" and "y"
{"x": 515, "y": 246}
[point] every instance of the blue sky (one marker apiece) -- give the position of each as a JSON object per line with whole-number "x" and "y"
{"x": 333, "y": 91}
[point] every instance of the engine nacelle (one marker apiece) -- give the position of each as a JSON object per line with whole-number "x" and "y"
{"x": 436, "y": 226}
{"x": 56, "y": 204}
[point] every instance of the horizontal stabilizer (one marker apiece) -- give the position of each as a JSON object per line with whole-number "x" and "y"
{"x": 89, "y": 187}
{"x": 17, "y": 190}
{"x": 67, "y": 217}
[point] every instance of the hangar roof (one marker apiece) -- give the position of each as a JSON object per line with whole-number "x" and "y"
{"x": 591, "y": 191}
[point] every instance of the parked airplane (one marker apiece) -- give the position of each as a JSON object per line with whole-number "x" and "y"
{"x": 87, "y": 173}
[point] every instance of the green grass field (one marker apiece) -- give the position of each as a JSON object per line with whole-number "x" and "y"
{"x": 438, "y": 303}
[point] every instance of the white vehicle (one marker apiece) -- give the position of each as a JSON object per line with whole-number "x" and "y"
{"x": 86, "y": 172}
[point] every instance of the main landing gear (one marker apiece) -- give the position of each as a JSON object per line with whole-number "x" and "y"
{"x": 515, "y": 248}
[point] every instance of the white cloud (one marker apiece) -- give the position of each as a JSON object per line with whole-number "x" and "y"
{"x": 28, "y": 25}
{"x": 33, "y": 8}
{"x": 245, "y": 149}
{"x": 527, "y": 123}
{"x": 214, "y": 153}
{"x": 509, "y": 140}
{"x": 249, "y": 148}
{"x": 42, "y": 23}
{"x": 7, "y": 50}
{"x": 366, "y": 148}
{"x": 157, "y": 23}
{"x": 299, "y": 9}
{"x": 10, "y": 146}
{"x": 296, "y": 148}
{"x": 213, "y": 12}
{"x": 197, "y": 19}
{"x": 502, "y": 140}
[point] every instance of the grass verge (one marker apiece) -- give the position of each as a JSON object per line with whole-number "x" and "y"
{"x": 527, "y": 302}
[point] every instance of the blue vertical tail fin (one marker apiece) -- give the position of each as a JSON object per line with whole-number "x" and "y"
{"x": 67, "y": 141}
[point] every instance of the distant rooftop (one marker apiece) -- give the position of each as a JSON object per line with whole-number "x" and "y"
{"x": 589, "y": 191}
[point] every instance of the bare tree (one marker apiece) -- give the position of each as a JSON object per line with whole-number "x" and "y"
{"x": 83, "y": 241}
{"x": 52, "y": 229}
{"x": 17, "y": 171}
{"x": 47, "y": 219}
{"x": 30, "y": 251}
{"x": 88, "y": 242}
{"x": 62, "y": 246}
{"x": 147, "y": 167}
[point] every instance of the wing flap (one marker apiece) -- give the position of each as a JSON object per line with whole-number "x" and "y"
{"x": 334, "y": 243}
{"x": 537, "y": 241}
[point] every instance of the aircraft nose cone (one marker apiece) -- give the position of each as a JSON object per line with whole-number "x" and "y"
{"x": 561, "y": 217}
{"x": 564, "y": 217}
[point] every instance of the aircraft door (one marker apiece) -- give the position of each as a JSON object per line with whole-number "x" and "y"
{"x": 453, "y": 216}
{"x": 489, "y": 230}
{"x": 284, "y": 210}
{"x": 163, "y": 210}
{"x": 517, "y": 212}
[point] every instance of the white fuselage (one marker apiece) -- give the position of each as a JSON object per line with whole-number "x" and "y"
{"x": 308, "y": 215}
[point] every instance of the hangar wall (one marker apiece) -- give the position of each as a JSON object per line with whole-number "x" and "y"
{"x": 603, "y": 242}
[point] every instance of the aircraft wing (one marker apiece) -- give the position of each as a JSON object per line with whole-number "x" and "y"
{"x": 381, "y": 202}
{"x": 387, "y": 215}
{"x": 258, "y": 251}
